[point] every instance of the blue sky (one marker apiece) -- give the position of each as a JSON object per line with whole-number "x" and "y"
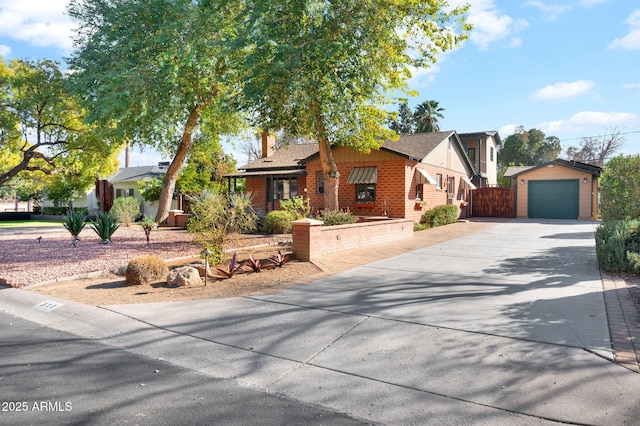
{"x": 567, "y": 67}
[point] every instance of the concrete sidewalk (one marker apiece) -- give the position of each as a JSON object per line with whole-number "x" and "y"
{"x": 505, "y": 326}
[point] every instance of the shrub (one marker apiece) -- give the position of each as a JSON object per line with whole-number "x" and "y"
{"x": 74, "y": 223}
{"x": 105, "y": 225}
{"x": 614, "y": 241}
{"x": 126, "y": 209}
{"x": 215, "y": 216}
{"x": 145, "y": 269}
{"x": 419, "y": 227}
{"x": 299, "y": 207}
{"x": 634, "y": 262}
{"x": 440, "y": 215}
{"x": 278, "y": 222}
{"x": 336, "y": 217}
{"x": 148, "y": 225}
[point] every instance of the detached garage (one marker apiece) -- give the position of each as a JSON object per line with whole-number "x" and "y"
{"x": 559, "y": 189}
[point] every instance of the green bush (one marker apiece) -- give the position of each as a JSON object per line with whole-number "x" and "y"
{"x": 440, "y": 215}
{"x": 145, "y": 269}
{"x": 634, "y": 262}
{"x": 126, "y": 209}
{"x": 299, "y": 207}
{"x": 614, "y": 241}
{"x": 420, "y": 227}
{"x": 337, "y": 217}
{"x": 278, "y": 222}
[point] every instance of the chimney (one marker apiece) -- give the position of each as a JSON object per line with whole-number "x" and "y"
{"x": 268, "y": 145}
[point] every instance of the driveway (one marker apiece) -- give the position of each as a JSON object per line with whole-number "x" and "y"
{"x": 505, "y": 326}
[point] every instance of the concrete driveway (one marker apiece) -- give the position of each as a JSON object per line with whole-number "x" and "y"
{"x": 505, "y": 326}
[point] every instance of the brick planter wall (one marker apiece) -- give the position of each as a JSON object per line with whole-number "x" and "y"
{"x": 311, "y": 241}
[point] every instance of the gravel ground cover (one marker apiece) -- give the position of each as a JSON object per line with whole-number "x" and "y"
{"x": 26, "y": 259}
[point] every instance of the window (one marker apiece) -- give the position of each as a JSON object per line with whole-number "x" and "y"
{"x": 491, "y": 154}
{"x": 419, "y": 191}
{"x": 438, "y": 181}
{"x": 283, "y": 189}
{"x": 319, "y": 183}
{"x": 365, "y": 192}
{"x": 124, "y": 192}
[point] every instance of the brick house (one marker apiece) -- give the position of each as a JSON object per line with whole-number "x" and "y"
{"x": 402, "y": 179}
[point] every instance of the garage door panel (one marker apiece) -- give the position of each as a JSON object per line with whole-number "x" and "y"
{"x": 554, "y": 199}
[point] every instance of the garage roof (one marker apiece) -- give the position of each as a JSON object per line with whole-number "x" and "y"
{"x": 514, "y": 171}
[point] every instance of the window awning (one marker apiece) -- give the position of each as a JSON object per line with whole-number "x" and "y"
{"x": 363, "y": 175}
{"x": 468, "y": 181}
{"x": 423, "y": 177}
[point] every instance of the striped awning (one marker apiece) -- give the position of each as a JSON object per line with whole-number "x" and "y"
{"x": 363, "y": 175}
{"x": 423, "y": 177}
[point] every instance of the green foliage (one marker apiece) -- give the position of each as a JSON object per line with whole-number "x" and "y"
{"x": 338, "y": 217}
{"x": 278, "y": 222}
{"x": 150, "y": 189}
{"x": 126, "y": 209}
{"x": 420, "y": 227}
{"x": 634, "y": 262}
{"x": 528, "y": 148}
{"x": 206, "y": 166}
{"x": 105, "y": 225}
{"x": 426, "y": 117}
{"x": 148, "y": 225}
{"x": 402, "y": 122}
{"x": 43, "y": 128}
{"x": 61, "y": 192}
{"x": 74, "y": 222}
{"x": 614, "y": 241}
{"x": 440, "y": 215}
{"x": 298, "y": 207}
{"x": 216, "y": 216}
{"x": 620, "y": 188}
{"x": 145, "y": 270}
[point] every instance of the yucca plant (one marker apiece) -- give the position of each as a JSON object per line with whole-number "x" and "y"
{"x": 105, "y": 225}
{"x": 148, "y": 225}
{"x": 74, "y": 223}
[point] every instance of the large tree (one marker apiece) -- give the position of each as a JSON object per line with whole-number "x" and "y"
{"x": 528, "y": 148}
{"x": 158, "y": 72}
{"x": 324, "y": 69}
{"x": 596, "y": 149}
{"x": 42, "y": 128}
{"x": 620, "y": 188}
{"x": 426, "y": 116}
{"x": 402, "y": 122}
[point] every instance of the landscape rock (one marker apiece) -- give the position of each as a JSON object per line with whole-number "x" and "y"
{"x": 201, "y": 266}
{"x": 185, "y": 276}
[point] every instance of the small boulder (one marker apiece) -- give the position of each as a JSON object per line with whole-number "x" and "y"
{"x": 185, "y": 276}
{"x": 201, "y": 266}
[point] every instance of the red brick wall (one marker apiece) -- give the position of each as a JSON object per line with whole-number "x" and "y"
{"x": 257, "y": 186}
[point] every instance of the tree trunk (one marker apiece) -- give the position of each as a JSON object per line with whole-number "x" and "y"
{"x": 330, "y": 174}
{"x": 174, "y": 168}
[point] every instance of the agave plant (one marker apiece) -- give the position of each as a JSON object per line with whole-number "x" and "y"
{"x": 231, "y": 269}
{"x": 74, "y": 223}
{"x": 279, "y": 259}
{"x": 254, "y": 264}
{"x": 105, "y": 225}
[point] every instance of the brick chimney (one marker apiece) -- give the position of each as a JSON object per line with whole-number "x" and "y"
{"x": 268, "y": 145}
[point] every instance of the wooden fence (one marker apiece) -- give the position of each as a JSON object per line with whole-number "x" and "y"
{"x": 493, "y": 202}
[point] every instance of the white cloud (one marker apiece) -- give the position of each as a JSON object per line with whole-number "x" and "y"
{"x": 4, "y": 50}
{"x": 632, "y": 86}
{"x": 490, "y": 25}
{"x": 551, "y": 11}
{"x": 39, "y": 22}
{"x": 564, "y": 90}
{"x": 586, "y": 120}
{"x": 507, "y": 130}
{"x": 631, "y": 41}
{"x": 588, "y": 3}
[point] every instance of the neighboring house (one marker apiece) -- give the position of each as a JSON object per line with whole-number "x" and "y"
{"x": 482, "y": 150}
{"x": 402, "y": 179}
{"x": 559, "y": 189}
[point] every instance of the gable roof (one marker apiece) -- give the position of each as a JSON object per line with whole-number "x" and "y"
{"x": 492, "y": 133}
{"x": 514, "y": 171}
{"x": 414, "y": 147}
{"x": 134, "y": 174}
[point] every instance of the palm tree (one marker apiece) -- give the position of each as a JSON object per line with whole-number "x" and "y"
{"x": 426, "y": 117}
